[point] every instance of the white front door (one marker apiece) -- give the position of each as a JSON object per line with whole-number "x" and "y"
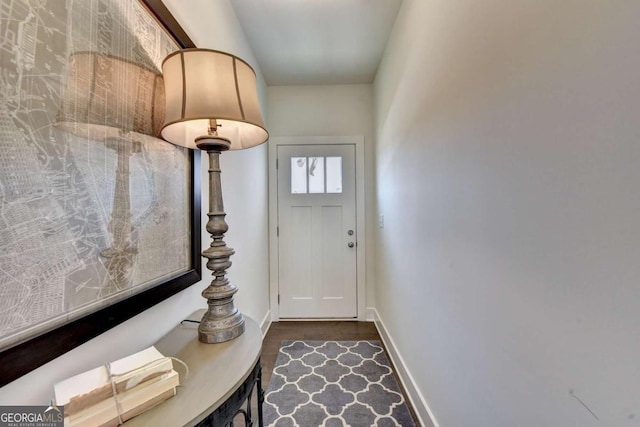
{"x": 317, "y": 237}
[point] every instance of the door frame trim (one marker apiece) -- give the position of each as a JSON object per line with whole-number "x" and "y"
{"x": 358, "y": 142}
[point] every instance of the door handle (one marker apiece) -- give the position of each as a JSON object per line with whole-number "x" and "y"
{"x": 351, "y": 244}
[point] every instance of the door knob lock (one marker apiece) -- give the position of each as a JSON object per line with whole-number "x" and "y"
{"x": 351, "y": 244}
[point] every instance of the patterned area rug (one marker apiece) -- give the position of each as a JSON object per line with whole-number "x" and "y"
{"x": 332, "y": 384}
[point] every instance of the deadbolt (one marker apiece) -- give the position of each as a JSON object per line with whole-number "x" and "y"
{"x": 351, "y": 244}
{"x": 350, "y": 232}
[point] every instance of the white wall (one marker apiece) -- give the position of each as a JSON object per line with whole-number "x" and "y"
{"x": 211, "y": 24}
{"x": 335, "y": 110}
{"x": 508, "y": 172}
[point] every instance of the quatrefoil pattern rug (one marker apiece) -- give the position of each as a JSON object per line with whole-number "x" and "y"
{"x": 334, "y": 384}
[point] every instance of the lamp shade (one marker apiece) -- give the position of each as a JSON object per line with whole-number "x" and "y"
{"x": 106, "y": 96}
{"x": 203, "y": 84}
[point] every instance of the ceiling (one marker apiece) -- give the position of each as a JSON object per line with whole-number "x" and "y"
{"x": 313, "y": 42}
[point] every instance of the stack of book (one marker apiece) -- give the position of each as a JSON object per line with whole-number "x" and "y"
{"x": 140, "y": 381}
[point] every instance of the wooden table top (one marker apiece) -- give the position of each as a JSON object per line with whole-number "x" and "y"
{"x": 215, "y": 372}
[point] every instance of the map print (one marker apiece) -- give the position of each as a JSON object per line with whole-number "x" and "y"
{"x": 92, "y": 209}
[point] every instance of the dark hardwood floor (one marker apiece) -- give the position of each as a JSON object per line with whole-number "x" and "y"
{"x": 310, "y": 331}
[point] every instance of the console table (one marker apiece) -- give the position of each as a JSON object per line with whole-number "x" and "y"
{"x": 221, "y": 379}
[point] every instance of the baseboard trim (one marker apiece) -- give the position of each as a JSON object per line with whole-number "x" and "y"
{"x": 266, "y": 323}
{"x": 419, "y": 403}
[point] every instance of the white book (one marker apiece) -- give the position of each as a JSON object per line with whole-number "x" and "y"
{"x": 130, "y": 403}
{"x": 91, "y": 387}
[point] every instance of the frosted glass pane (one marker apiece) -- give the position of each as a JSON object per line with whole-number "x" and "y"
{"x": 298, "y": 175}
{"x": 316, "y": 174}
{"x": 334, "y": 174}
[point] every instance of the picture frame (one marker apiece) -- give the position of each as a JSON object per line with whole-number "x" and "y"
{"x": 47, "y": 345}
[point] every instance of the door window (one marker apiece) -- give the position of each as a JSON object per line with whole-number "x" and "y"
{"x": 334, "y": 174}
{"x": 298, "y": 175}
{"x": 316, "y": 175}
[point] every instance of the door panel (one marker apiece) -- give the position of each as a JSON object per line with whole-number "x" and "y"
{"x": 299, "y": 253}
{"x": 316, "y": 211}
{"x": 331, "y": 258}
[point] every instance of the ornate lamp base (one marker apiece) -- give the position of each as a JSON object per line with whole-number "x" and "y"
{"x": 222, "y": 321}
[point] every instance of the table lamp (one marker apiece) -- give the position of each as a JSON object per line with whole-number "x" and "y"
{"x": 212, "y": 104}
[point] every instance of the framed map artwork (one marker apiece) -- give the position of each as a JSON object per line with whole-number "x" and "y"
{"x": 97, "y": 214}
